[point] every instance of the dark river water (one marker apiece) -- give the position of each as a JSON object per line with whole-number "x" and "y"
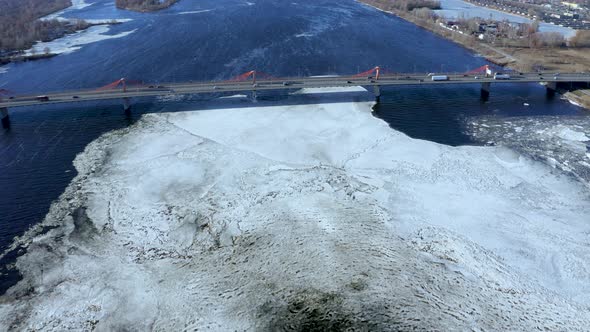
{"x": 219, "y": 39}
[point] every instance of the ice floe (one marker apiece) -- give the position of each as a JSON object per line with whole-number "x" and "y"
{"x": 561, "y": 142}
{"x": 238, "y": 96}
{"x": 303, "y": 217}
{"x": 195, "y": 12}
{"x": 300, "y": 35}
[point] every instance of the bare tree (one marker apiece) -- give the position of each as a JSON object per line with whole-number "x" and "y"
{"x": 581, "y": 39}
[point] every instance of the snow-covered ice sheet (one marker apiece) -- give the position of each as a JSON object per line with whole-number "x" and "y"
{"x": 75, "y": 41}
{"x": 76, "y": 5}
{"x": 303, "y": 217}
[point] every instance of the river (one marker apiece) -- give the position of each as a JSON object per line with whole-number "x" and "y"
{"x": 214, "y": 39}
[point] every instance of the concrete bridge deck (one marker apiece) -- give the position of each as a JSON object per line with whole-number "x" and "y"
{"x": 282, "y": 84}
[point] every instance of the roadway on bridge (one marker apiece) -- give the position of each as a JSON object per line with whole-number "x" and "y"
{"x": 279, "y": 84}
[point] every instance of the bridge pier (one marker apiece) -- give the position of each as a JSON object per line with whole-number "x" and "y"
{"x": 254, "y": 96}
{"x": 377, "y": 92}
{"x": 551, "y": 88}
{"x": 5, "y": 118}
{"x": 127, "y": 106}
{"x": 485, "y": 90}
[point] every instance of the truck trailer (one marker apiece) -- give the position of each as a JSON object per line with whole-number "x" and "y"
{"x": 500, "y": 76}
{"x": 440, "y": 78}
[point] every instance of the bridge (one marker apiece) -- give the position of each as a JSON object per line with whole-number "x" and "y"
{"x": 253, "y": 81}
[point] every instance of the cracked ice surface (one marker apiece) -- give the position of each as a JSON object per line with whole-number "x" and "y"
{"x": 561, "y": 142}
{"x": 303, "y": 217}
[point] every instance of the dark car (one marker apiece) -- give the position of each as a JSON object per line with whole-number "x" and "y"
{"x": 75, "y": 97}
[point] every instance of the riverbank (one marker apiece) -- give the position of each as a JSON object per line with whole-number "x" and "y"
{"x": 517, "y": 58}
{"x": 558, "y": 59}
{"x": 22, "y": 24}
{"x": 41, "y": 49}
{"x": 24, "y": 58}
{"x": 579, "y": 97}
{"x": 18, "y": 44}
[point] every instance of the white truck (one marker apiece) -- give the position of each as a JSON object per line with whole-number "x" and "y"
{"x": 440, "y": 78}
{"x": 500, "y": 76}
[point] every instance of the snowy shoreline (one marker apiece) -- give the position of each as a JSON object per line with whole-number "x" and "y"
{"x": 254, "y": 218}
{"x": 73, "y": 42}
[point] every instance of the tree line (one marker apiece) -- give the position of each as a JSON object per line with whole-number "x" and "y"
{"x": 20, "y": 26}
{"x": 405, "y": 5}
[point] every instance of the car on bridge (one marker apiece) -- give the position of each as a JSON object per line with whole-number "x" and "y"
{"x": 42, "y": 98}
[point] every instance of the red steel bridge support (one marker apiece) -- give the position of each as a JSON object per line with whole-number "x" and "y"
{"x": 485, "y": 86}
{"x": 372, "y": 74}
{"x": 122, "y": 84}
{"x": 252, "y": 75}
